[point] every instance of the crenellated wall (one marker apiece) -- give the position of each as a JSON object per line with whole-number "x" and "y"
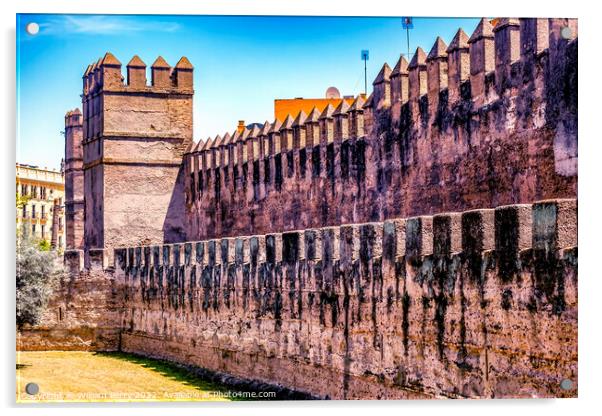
{"x": 387, "y": 248}
{"x": 481, "y": 303}
{"x": 486, "y": 121}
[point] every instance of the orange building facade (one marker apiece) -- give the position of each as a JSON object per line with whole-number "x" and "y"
{"x": 292, "y": 106}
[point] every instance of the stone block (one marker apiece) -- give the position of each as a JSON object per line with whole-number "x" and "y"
{"x": 478, "y": 231}
{"x": 447, "y": 234}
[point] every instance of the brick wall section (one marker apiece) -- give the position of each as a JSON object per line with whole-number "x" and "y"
{"x": 501, "y": 130}
{"x": 480, "y": 303}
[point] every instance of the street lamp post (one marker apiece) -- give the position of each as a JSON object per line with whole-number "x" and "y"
{"x": 365, "y": 57}
{"x": 407, "y": 24}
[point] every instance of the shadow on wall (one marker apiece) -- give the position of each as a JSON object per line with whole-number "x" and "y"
{"x": 174, "y": 230}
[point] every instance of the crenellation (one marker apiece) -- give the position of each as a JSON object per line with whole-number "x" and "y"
{"x": 458, "y": 64}
{"x": 554, "y": 224}
{"x": 382, "y": 88}
{"x": 264, "y": 139}
{"x": 341, "y": 122}
{"x": 189, "y": 259}
{"x": 253, "y": 144}
{"x": 242, "y": 254}
{"x": 513, "y": 235}
{"x": 286, "y": 134}
{"x": 507, "y": 51}
{"x": 136, "y": 73}
{"x": 419, "y": 237}
{"x": 212, "y": 256}
{"x": 225, "y": 150}
{"x": 349, "y": 238}
{"x": 326, "y": 126}
{"x": 534, "y": 37}
{"x": 257, "y": 249}
{"x": 330, "y": 244}
{"x": 482, "y": 59}
{"x": 290, "y": 248}
{"x": 478, "y": 228}
{"x": 368, "y": 108}
{"x": 182, "y": 74}
{"x": 274, "y": 138}
{"x": 300, "y": 131}
{"x": 212, "y": 156}
{"x": 167, "y": 255}
{"x": 313, "y": 245}
{"x": 312, "y": 128}
{"x": 436, "y": 69}
{"x": 242, "y": 146}
{"x": 447, "y": 234}
{"x": 417, "y": 80}
{"x": 160, "y": 73}
{"x": 200, "y": 252}
{"x": 110, "y": 73}
{"x": 399, "y": 82}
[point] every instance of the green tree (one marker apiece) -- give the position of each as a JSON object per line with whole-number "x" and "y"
{"x": 38, "y": 272}
{"x": 44, "y": 245}
{"x": 22, "y": 200}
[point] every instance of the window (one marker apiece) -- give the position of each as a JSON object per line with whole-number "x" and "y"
{"x": 33, "y": 211}
{"x": 43, "y": 211}
{"x": 23, "y": 189}
{"x": 33, "y": 229}
{"x": 43, "y": 231}
{"x": 60, "y": 241}
{"x": 24, "y": 214}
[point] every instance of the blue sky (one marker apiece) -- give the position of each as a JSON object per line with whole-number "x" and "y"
{"x": 242, "y": 63}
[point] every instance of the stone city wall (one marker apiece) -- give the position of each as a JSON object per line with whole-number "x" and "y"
{"x": 423, "y": 267}
{"x": 486, "y": 121}
{"x": 475, "y": 304}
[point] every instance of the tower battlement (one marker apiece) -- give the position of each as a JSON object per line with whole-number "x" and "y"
{"x": 106, "y": 75}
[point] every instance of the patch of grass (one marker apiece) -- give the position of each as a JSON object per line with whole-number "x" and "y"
{"x": 89, "y": 377}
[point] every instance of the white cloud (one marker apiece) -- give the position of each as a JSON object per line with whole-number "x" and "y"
{"x": 103, "y": 25}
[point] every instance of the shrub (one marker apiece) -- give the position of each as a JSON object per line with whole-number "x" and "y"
{"x": 38, "y": 272}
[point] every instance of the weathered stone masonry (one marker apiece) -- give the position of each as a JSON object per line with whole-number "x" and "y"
{"x": 393, "y": 248}
{"x": 481, "y": 303}
{"x": 487, "y": 121}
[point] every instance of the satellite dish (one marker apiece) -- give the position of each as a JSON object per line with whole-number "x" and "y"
{"x": 333, "y": 92}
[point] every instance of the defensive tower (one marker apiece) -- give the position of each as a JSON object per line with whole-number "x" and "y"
{"x": 74, "y": 181}
{"x": 134, "y": 138}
